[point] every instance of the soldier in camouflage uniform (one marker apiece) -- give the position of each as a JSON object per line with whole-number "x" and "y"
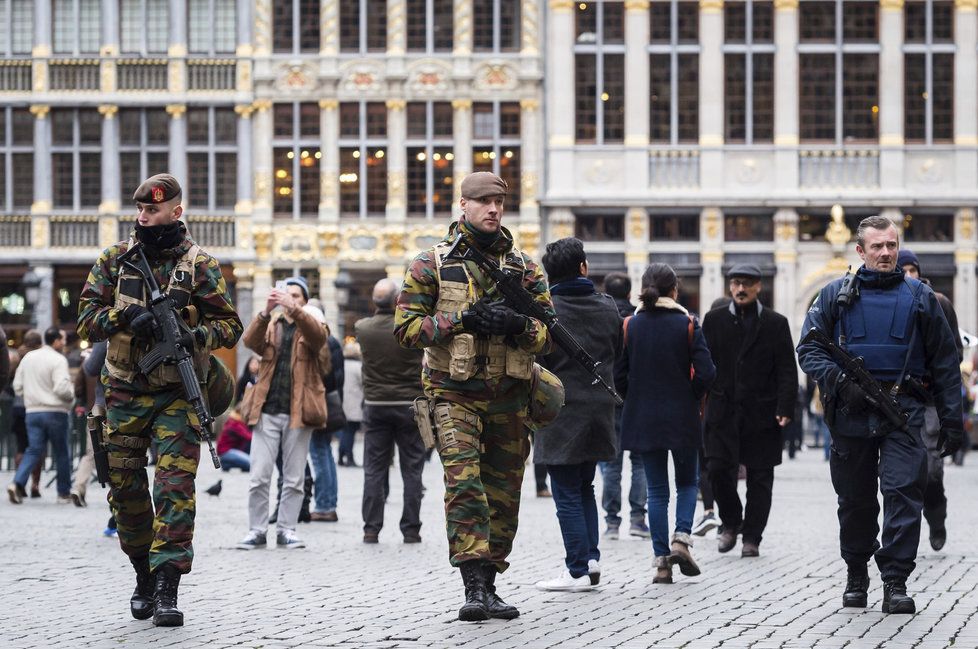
{"x": 478, "y": 363}
{"x": 141, "y": 409}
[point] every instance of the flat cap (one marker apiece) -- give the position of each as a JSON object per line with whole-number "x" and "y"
{"x": 483, "y": 183}
{"x": 744, "y": 270}
{"x": 157, "y": 189}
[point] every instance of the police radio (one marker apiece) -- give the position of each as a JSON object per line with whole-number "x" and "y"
{"x": 849, "y": 290}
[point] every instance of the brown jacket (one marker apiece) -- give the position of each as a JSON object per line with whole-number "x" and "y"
{"x": 308, "y": 407}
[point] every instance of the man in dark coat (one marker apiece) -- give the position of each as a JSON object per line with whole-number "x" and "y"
{"x": 584, "y": 432}
{"x": 750, "y": 403}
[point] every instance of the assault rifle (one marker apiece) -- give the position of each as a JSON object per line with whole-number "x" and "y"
{"x": 510, "y": 286}
{"x": 173, "y": 343}
{"x": 855, "y": 370}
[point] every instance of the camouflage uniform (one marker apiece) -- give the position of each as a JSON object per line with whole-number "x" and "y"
{"x": 480, "y": 420}
{"x": 138, "y": 413}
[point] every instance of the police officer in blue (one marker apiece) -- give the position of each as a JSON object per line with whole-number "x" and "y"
{"x": 896, "y": 324}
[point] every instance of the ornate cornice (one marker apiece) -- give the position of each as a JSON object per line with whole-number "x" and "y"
{"x": 176, "y": 111}
{"x": 40, "y": 111}
{"x": 108, "y": 111}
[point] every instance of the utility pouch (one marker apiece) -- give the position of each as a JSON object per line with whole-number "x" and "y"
{"x": 462, "y": 352}
{"x": 121, "y": 350}
{"x": 96, "y": 423}
{"x": 422, "y": 417}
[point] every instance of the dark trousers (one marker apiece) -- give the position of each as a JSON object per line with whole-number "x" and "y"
{"x": 935, "y": 501}
{"x": 750, "y": 519}
{"x": 577, "y": 512}
{"x": 900, "y": 461}
{"x": 706, "y": 487}
{"x": 384, "y": 427}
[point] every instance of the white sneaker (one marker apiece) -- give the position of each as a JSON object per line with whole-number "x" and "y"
{"x": 288, "y": 540}
{"x": 594, "y": 571}
{"x": 64, "y": 500}
{"x": 566, "y": 583}
{"x": 254, "y": 539}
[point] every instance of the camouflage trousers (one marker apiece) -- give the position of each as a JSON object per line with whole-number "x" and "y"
{"x": 483, "y": 447}
{"x": 133, "y": 422}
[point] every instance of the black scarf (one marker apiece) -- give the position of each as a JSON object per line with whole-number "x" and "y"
{"x": 157, "y": 238}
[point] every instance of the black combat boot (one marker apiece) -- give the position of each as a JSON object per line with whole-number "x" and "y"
{"x": 497, "y": 607}
{"x": 895, "y": 598}
{"x": 165, "y": 597}
{"x": 141, "y": 603}
{"x": 857, "y": 585}
{"x": 475, "y": 608}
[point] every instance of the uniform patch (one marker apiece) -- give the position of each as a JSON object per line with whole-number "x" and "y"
{"x": 157, "y": 194}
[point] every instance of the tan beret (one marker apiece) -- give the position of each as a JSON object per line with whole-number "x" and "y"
{"x": 157, "y": 189}
{"x": 482, "y": 184}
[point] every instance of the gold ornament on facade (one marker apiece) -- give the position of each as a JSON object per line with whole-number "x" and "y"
{"x": 107, "y": 76}
{"x": 244, "y": 274}
{"x": 786, "y": 232}
{"x": 838, "y": 234}
{"x": 263, "y": 28}
{"x": 495, "y": 76}
{"x": 711, "y": 6}
{"x": 396, "y": 104}
{"x": 246, "y": 239}
{"x": 262, "y": 105}
{"x": 529, "y": 238}
{"x": 294, "y": 242}
{"x": 40, "y": 111}
{"x": 108, "y": 231}
{"x": 462, "y": 104}
{"x": 966, "y": 5}
{"x": 561, "y": 5}
{"x": 711, "y": 223}
{"x": 360, "y": 244}
{"x": 636, "y": 5}
{"x": 242, "y": 82}
{"x": 395, "y": 27}
{"x": 263, "y": 190}
{"x": 263, "y": 241}
{"x": 329, "y": 104}
{"x": 329, "y": 242}
{"x": 395, "y": 185}
{"x": 40, "y": 76}
{"x": 394, "y": 238}
{"x": 40, "y": 232}
{"x": 463, "y": 26}
{"x": 891, "y": 5}
{"x": 785, "y": 5}
{"x": 529, "y": 105}
{"x": 528, "y": 187}
{"x": 638, "y": 222}
{"x": 108, "y": 111}
{"x": 966, "y": 224}
{"x": 244, "y": 110}
{"x": 176, "y": 84}
{"x": 176, "y": 111}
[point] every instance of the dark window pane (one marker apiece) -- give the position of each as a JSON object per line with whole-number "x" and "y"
{"x": 376, "y": 25}
{"x": 90, "y": 126}
{"x": 510, "y": 25}
{"x": 816, "y": 20}
{"x": 443, "y": 118}
{"x": 197, "y": 181}
{"x": 308, "y": 25}
{"x": 90, "y": 179}
{"x": 350, "y": 119}
{"x": 860, "y": 22}
{"x": 603, "y": 227}
{"x": 674, "y": 228}
{"x": 734, "y": 22}
{"x": 914, "y": 97}
{"x": 23, "y": 173}
{"x": 3, "y": 178}
{"x": 613, "y": 97}
{"x": 915, "y": 22}
{"x": 587, "y": 22}
{"x": 509, "y": 119}
{"x": 198, "y": 126}
{"x": 688, "y": 15}
{"x": 443, "y": 25}
{"x": 613, "y": 22}
{"x": 309, "y": 120}
{"x": 417, "y": 119}
{"x": 928, "y": 227}
{"x": 509, "y": 170}
{"x": 482, "y": 159}
{"x": 817, "y": 96}
{"x": 376, "y": 181}
{"x": 943, "y": 25}
{"x": 283, "y": 182}
{"x": 585, "y": 104}
{"x": 735, "y": 97}
{"x": 751, "y": 227}
{"x": 225, "y": 126}
{"x": 442, "y": 180}
{"x": 130, "y": 126}
{"x": 157, "y": 126}
{"x": 309, "y": 181}
{"x": 482, "y": 18}
{"x": 282, "y": 26}
{"x": 689, "y": 98}
{"x": 225, "y": 180}
{"x": 349, "y": 26}
{"x": 130, "y": 177}
{"x": 416, "y": 25}
{"x": 763, "y": 97}
{"x": 943, "y": 90}
{"x": 62, "y": 180}
{"x": 660, "y": 22}
{"x": 350, "y": 181}
{"x": 157, "y": 162}
{"x": 860, "y": 96}
{"x": 23, "y": 126}
{"x": 659, "y": 101}
{"x": 416, "y": 180}
{"x": 483, "y": 120}
{"x": 763, "y": 22}
{"x": 282, "y": 120}
{"x": 376, "y": 119}
{"x": 62, "y": 126}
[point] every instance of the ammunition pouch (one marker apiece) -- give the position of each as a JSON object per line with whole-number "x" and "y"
{"x": 128, "y": 463}
{"x": 445, "y": 415}
{"x": 422, "y": 418}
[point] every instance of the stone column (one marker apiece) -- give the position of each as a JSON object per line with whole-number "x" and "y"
{"x": 891, "y": 94}
{"x": 111, "y": 190}
{"x": 262, "y": 26}
{"x": 260, "y": 287}
{"x": 711, "y": 242}
{"x": 109, "y": 11}
{"x": 560, "y": 224}
{"x": 178, "y": 28}
{"x": 396, "y": 25}
{"x": 178, "y": 142}
{"x": 43, "y": 193}
{"x": 531, "y": 128}
{"x": 462, "y": 17}
{"x": 329, "y": 27}
{"x": 396, "y": 161}
{"x": 637, "y": 93}
{"x": 243, "y": 205}
{"x": 786, "y": 262}
{"x": 786, "y": 103}
{"x": 44, "y": 309}
{"x": 262, "y": 173}
{"x": 462, "y": 146}
{"x": 244, "y": 26}
{"x": 559, "y": 115}
{"x": 965, "y": 257}
{"x": 244, "y": 303}
{"x": 636, "y": 247}
{"x": 327, "y": 295}
{"x": 329, "y": 169}
{"x": 965, "y": 92}
{"x": 711, "y": 73}
{"x": 43, "y": 26}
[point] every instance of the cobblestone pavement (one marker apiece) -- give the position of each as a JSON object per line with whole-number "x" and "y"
{"x": 63, "y": 585}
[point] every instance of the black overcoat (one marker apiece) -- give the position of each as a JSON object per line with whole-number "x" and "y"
{"x": 755, "y": 383}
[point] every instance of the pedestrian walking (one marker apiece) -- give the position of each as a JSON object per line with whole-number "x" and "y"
{"x": 750, "y": 403}
{"x": 352, "y": 401}
{"x": 147, "y": 408}
{"x": 478, "y": 365}
{"x": 321, "y": 448}
{"x": 18, "y": 425}
{"x": 896, "y": 324}
{"x": 94, "y": 394}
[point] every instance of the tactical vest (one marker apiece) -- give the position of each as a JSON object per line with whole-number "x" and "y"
{"x": 466, "y": 356}
{"x": 879, "y": 327}
{"x": 125, "y": 351}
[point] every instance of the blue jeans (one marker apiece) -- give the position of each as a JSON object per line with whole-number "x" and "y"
{"x": 685, "y": 462}
{"x": 324, "y": 467}
{"x": 44, "y": 427}
{"x": 235, "y": 458}
{"x": 572, "y": 486}
{"x": 611, "y": 484}
{"x": 347, "y": 436}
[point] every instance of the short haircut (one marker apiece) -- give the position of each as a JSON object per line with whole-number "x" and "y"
{"x": 875, "y": 222}
{"x": 617, "y": 285}
{"x": 51, "y": 335}
{"x": 32, "y": 339}
{"x": 563, "y": 259}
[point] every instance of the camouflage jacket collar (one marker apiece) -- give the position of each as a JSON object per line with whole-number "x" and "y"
{"x": 501, "y": 246}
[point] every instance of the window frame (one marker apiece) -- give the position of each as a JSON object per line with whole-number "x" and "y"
{"x": 7, "y": 11}
{"x": 76, "y": 149}
{"x": 598, "y": 49}
{"x": 429, "y": 22}
{"x": 9, "y": 148}
{"x": 674, "y": 48}
{"x": 212, "y": 148}
{"x": 497, "y": 142}
{"x": 429, "y": 142}
{"x": 363, "y": 31}
{"x": 928, "y": 49}
{"x": 75, "y": 49}
{"x": 748, "y": 49}
{"x": 497, "y": 28}
{"x": 296, "y": 142}
{"x": 296, "y": 31}
{"x": 143, "y": 148}
{"x": 211, "y": 15}
{"x": 144, "y": 19}
{"x": 362, "y": 143}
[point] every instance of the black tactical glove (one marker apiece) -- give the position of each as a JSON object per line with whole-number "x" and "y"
{"x": 477, "y": 319}
{"x": 195, "y": 338}
{"x": 852, "y": 396}
{"x": 140, "y": 320}
{"x": 504, "y": 321}
{"x": 950, "y": 439}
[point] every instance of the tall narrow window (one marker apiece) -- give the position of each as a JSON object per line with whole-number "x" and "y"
{"x": 143, "y": 26}
{"x": 363, "y": 158}
{"x": 296, "y": 157}
{"x": 77, "y": 26}
{"x": 76, "y": 158}
{"x": 144, "y": 144}
{"x": 295, "y": 26}
{"x": 839, "y": 71}
{"x": 16, "y": 27}
{"x": 363, "y": 26}
{"x": 498, "y": 24}
{"x": 674, "y": 72}
{"x": 496, "y": 144}
{"x": 749, "y": 68}
{"x": 212, "y": 159}
{"x": 430, "y": 25}
{"x": 430, "y": 159}
{"x": 211, "y": 27}
{"x": 599, "y": 61}
{"x": 928, "y": 69}
{"x": 16, "y": 159}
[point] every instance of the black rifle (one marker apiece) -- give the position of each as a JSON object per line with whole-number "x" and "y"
{"x": 95, "y": 424}
{"x": 510, "y": 286}
{"x": 172, "y": 343}
{"x": 854, "y": 370}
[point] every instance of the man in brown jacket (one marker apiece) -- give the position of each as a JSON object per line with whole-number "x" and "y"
{"x": 289, "y": 400}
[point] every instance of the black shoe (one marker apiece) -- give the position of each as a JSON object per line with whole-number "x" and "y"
{"x": 166, "y": 612}
{"x": 274, "y": 517}
{"x": 497, "y": 607}
{"x": 727, "y": 540}
{"x": 857, "y": 585}
{"x": 475, "y": 608}
{"x": 141, "y": 603}
{"x": 938, "y": 537}
{"x": 304, "y": 515}
{"x": 895, "y": 598}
